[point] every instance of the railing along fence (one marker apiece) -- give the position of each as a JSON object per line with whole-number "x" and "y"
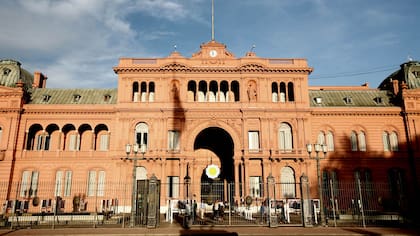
{"x": 363, "y": 204}
{"x": 100, "y": 203}
{"x": 58, "y": 203}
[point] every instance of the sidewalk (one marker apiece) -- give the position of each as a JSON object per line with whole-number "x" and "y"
{"x": 175, "y": 229}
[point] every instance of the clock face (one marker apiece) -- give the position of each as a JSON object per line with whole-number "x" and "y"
{"x": 213, "y": 53}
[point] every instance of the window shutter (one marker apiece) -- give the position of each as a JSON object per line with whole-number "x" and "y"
{"x": 67, "y": 183}
{"x": 330, "y": 141}
{"x": 353, "y": 141}
{"x": 393, "y": 138}
{"x": 385, "y": 140}
{"x": 101, "y": 183}
{"x": 24, "y": 183}
{"x": 72, "y": 142}
{"x": 58, "y": 183}
{"x": 34, "y": 183}
{"x": 321, "y": 138}
{"x": 362, "y": 141}
{"x": 253, "y": 141}
{"x": 91, "y": 183}
{"x": 104, "y": 142}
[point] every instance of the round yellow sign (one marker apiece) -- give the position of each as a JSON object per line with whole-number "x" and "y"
{"x": 212, "y": 171}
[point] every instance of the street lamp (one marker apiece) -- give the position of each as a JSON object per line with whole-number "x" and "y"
{"x": 134, "y": 190}
{"x": 318, "y": 148}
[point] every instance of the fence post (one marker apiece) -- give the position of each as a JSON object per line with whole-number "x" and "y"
{"x": 333, "y": 203}
{"x": 305, "y": 201}
{"x": 361, "y": 203}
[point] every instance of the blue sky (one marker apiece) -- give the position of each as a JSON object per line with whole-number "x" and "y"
{"x": 77, "y": 42}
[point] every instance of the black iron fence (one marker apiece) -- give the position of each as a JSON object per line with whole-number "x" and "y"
{"x": 99, "y": 204}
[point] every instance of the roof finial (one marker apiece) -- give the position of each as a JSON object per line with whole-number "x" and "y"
{"x": 212, "y": 20}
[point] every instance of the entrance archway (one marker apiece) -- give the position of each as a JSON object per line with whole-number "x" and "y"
{"x": 219, "y": 142}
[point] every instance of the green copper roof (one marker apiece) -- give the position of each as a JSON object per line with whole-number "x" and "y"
{"x": 11, "y": 72}
{"x": 73, "y": 96}
{"x": 349, "y": 98}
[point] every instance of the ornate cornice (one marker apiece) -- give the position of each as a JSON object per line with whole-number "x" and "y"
{"x": 176, "y": 67}
{"x": 354, "y": 113}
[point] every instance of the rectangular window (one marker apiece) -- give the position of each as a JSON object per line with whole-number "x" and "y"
{"x": 60, "y": 184}
{"x": 255, "y": 187}
{"x": 96, "y": 184}
{"x": 253, "y": 141}
{"x": 29, "y": 184}
{"x": 173, "y": 140}
{"x": 172, "y": 189}
{"x": 91, "y": 183}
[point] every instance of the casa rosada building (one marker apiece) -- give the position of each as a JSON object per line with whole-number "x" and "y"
{"x": 246, "y": 117}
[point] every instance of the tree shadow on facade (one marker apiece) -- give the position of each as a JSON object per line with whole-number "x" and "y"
{"x": 386, "y": 179}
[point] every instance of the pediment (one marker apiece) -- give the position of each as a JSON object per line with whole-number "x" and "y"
{"x": 174, "y": 66}
{"x": 213, "y": 50}
{"x": 252, "y": 66}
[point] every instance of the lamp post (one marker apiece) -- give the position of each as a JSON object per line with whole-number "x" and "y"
{"x": 318, "y": 148}
{"x": 271, "y": 192}
{"x": 134, "y": 187}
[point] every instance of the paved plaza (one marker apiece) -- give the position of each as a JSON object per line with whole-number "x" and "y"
{"x": 176, "y": 229}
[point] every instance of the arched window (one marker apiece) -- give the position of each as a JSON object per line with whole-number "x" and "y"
{"x": 29, "y": 183}
{"x": 143, "y": 88}
{"x": 282, "y": 97}
{"x": 71, "y": 138}
{"x": 274, "y": 92}
{"x": 136, "y": 96}
{"x": 213, "y": 91}
{"x": 234, "y": 87}
{"x": 202, "y": 91}
{"x": 96, "y": 183}
{"x": 385, "y": 141}
{"x": 362, "y": 141}
{"x": 151, "y": 92}
{"x": 285, "y": 138}
{"x": 142, "y": 133}
{"x": 288, "y": 182}
{"x": 353, "y": 141}
{"x": 35, "y": 138}
{"x": 290, "y": 92}
{"x": 330, "y": 141}
{"x": 192, "y": 90}
{"x": 321, "y": 138}
{"x": 63, "y": 183}
{"x": 224, "y": 89}
{"x": 393, "y": 140}
{"x": 141, "y": 173}
{"x": 52, "y": 138}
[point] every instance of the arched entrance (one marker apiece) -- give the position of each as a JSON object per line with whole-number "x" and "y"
{"x": 219, "y": 142}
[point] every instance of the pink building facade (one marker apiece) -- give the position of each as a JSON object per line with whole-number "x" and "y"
{"x": 248, "y": 117}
